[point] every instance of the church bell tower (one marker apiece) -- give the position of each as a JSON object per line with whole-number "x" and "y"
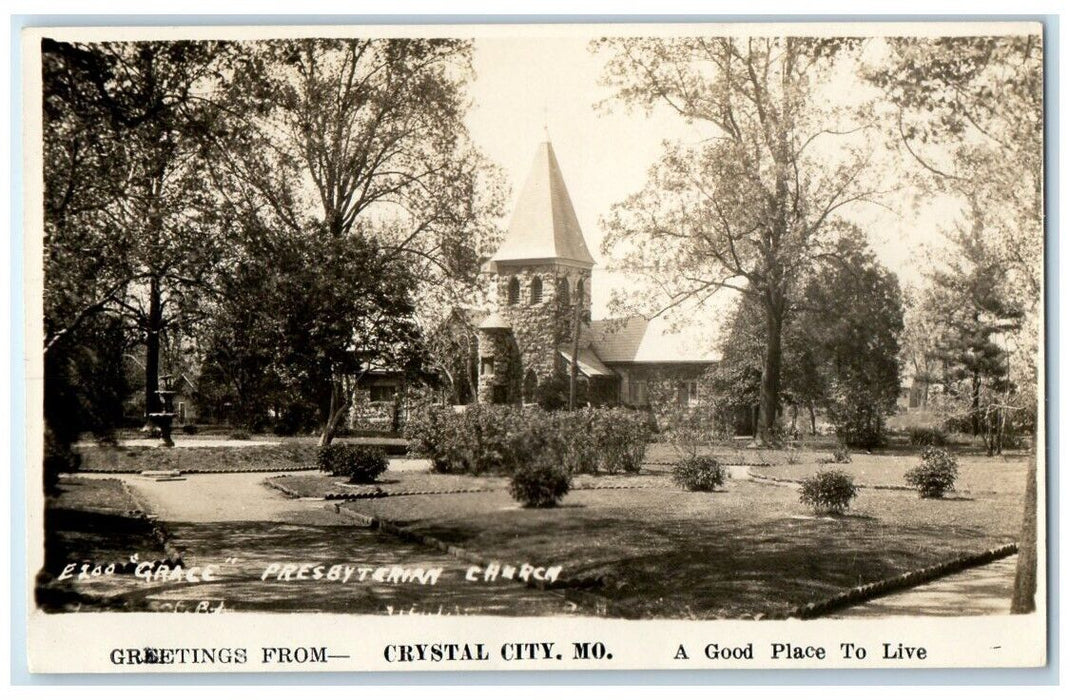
{"x": 541, "y": 280}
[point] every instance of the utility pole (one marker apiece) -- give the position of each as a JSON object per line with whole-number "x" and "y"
{"x": 575, "y": 350}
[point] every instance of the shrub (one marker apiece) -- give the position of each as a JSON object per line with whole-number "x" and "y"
{"x": 936, "y": 473}
{"x": 362, "y": 465}
{"x": 540, "y": 484}
{"x": 699, "y": 473}
{"x": 828, "y": 491}
{"x": 190, "y": 429}
{"x": 500, "y": 439}
{"x": 240, "y": 435}
{"x": 620, "y": 436}
{"x": 841, "y": 455}
{"x": 927, "y": 437}
{"x": 858, "y": 416}
{"x": 791, "y": 455}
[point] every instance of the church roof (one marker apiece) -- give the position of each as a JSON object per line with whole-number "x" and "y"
{"x": 544, "y": 224}
{"x": 636, "y": 339}
{"x": 586, "y": 362}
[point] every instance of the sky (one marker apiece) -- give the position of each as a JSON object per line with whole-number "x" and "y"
{"x": 526, "y": 88}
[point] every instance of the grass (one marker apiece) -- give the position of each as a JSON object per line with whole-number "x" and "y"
{"x": 251, "y": 458}
{"x": 90, "y": 521}
{"x": 288, "y": 455}
{"x": 753, "y": 549}
{"x": 1002, "y": 475}
{"x": 658, "y": 551}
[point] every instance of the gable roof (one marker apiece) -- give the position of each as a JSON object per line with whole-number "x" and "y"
{"x": 636, "y": 339}
{"x": 544, "y": 224}
{"x": 586, "y": 362}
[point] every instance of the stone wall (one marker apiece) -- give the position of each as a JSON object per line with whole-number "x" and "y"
{"x": 540, "y": 328}
{"x": 502, "y": 385}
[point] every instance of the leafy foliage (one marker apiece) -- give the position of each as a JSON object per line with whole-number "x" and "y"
{"x": 936, "y": 474}
{"x": 828, "y": 491}
{"x": 500, "y": 439}
{"x": 540, "y": 484}
{"x": 699, "y": 474}
{"x": 841, "y": 348}
{"x": 755, "y": 205}
{"x": 927, "y": 437}
{"x": 362, "y": 465}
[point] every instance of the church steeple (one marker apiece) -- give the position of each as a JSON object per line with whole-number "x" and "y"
{"x": 540, "y": 281}
{"x": 544, "y": 227}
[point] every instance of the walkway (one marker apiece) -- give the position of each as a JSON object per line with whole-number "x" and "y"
{"x": 984, "y": 590}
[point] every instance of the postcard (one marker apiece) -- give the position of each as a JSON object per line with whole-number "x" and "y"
{"x": 535, "y": 347}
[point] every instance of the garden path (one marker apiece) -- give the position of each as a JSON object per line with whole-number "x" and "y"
{"x": 983, "y": 590}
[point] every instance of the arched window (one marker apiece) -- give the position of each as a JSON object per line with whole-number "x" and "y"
{"x": 579, "y": 291}
{"x": 514, "y": 291}
{"x": 562, "y": 291}
{"x": 536, "y": 290}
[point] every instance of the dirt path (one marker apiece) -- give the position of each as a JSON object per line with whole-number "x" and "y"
{"x": 213, "y": 498}
{"x": 984, "y": 590}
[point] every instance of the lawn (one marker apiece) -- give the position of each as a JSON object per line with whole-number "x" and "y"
{"x": 193, "y": 454}
{"x": 90, "y": 521}
{"x": 977, "y": 474}
{"x": 749, "y": 550}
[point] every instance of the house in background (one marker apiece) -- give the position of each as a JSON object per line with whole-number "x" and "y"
{"x": 540, "y": 286}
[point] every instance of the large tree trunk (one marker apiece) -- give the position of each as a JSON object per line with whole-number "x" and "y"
{"x": 770, "y": 390}
{"x": 1025, "y": 577}
{"x": 152, "y": 349}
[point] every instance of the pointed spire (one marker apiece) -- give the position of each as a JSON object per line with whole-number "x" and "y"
{"x": 544, "y": 226}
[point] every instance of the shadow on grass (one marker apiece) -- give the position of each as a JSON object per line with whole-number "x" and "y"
{"x": 733, "y": 569}
{"x": 249, "y": 556}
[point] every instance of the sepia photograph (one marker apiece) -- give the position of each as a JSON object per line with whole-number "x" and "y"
{"x": 664, "y": 324}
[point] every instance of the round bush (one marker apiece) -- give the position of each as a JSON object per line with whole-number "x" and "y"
{"x": 362, "y": 465}
{"x": 540, "y": 485}
{"x": 936, "y": 474}
{"x": 829, "y": 491}
{"x": 699, "y": 474}
{"x": 240, "y": 435}
{"x": 927, "y": 437}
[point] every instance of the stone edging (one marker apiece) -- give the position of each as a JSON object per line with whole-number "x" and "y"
{"x": 195, "y": 470}
{"x": 726, "y": 463}
{"x": 335, "y": 496}
{"x": 342, "y": 496}
{"x": 863, "y": 593}
{"x": 158, "y": 531}
{"x": 781, "y": 480}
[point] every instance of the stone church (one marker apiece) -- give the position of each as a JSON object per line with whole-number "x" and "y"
{"x": 540, "y": 285}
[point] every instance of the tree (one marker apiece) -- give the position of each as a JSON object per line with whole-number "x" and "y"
{"x": 980, "y": 100}
{"x": 754, "y": 204}
{"x": 840, "y": 350}
{"x": 362, "y": 140}
{"x": 299, "y": 328}
{"x": 131, "y": 225}
{"x": 847, "y": 333}
{"x": 969, "y": 111}
{"x": 975, "y": 316}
